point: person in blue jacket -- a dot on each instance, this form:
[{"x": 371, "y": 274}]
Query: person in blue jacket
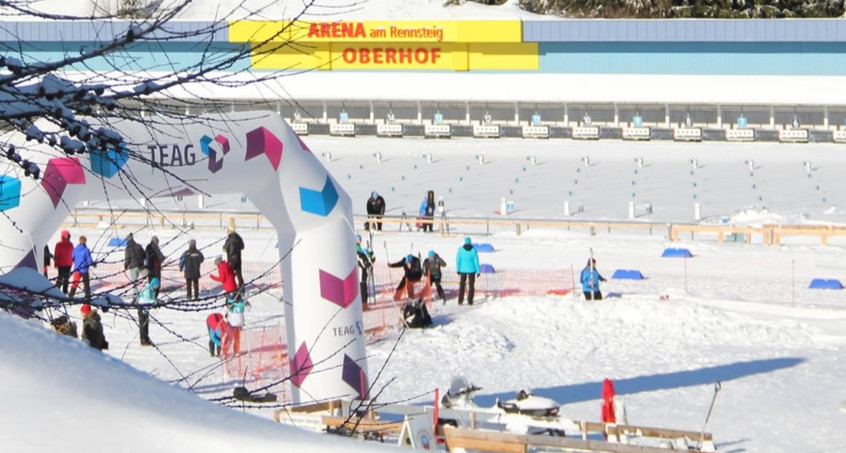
[
  {"x": 590, "y": 279},
  {"x": 467, "y": 265},
  {"x": 146, "y": 298},
  {"x": 82, "y": 261}
]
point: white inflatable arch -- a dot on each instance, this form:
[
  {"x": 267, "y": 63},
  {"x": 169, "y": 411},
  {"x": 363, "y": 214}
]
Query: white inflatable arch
[{"x": 254, "y": 153}]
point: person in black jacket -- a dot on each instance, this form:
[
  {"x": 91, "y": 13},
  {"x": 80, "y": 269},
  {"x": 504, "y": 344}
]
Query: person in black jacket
[
  {"x": 190, "y": 265},
  {"x": 233, "y": 246},
  {"x": 155, "y": 259},
  {"x": 92, "y": 328},
  {"x": 365, "y": 259},
  {"x": 413, "y": 272},
  {"x": 133, "y": 261},
  {"x": 375, "y": 211},
  {"x": 48, "y": 257}
]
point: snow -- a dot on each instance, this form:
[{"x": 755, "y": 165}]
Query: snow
[{"x": 740, "y": 314}]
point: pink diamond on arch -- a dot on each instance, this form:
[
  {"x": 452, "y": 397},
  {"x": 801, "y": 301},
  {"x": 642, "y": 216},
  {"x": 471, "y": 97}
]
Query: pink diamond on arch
[
  {"x": 60, "y": 172},
  {"x": 301, "y": 365},
  {"x": 262, "y": 141}
]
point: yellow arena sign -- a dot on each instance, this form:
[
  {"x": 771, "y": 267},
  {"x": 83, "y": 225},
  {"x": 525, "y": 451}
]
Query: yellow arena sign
[{"x": 387, "y": 45}]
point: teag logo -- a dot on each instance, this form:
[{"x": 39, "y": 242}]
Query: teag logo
[{"x": 208, "y": 145}]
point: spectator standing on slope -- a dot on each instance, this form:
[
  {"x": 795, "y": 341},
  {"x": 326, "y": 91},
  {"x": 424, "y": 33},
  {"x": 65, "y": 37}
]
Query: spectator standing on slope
[
  {"x": 133, "y": 261},
  {"x": 154, "y": 260},
  {"x": 63, "y": 259},
  {"x": 226, "y": 277},
  {"x": 48, "y": 257},
  {"x": 590, "y": 279},
  {"x": 375, "y": 211},
  {"x": 190, "y": 263},
  {"x": 467, "y": 265},
  {"x": 82, "y": 262}
]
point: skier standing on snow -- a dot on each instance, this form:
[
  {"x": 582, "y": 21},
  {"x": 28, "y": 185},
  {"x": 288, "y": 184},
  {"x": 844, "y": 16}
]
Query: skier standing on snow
[
  {"x": 467, "y": 265},
  {"x": 365, "y": 265},
  {"x": 413, "y": 272},
  {"x": 432, "y": 268},
  {"x": 590, "y": 279},
  {"x": 375, "y": 211},
  {"x": 63, "y": 259}
]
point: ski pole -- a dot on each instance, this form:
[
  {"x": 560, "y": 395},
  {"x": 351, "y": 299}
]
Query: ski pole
[{"x": 717, "y": 387}]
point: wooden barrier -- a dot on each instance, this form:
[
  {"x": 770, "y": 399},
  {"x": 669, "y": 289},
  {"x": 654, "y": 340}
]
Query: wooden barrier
[
  {"x": 793, "y": 135},
  {"x": 389, "y": 130},
  {"x": 586, "y": 132},
  {"x": 740, "y": 135},
  {"x": 770, "y": 234},
  {"x": 636, "y": 133},
  {"x": 300, "y": 128},
  {"x": 437, "y": 131},
  {"x": 535, "y": 131},
  {"x": 486, "y": 130},
  {"x": 687, "y": 134},
  {"x": 460, "y": 438},
  {"x": 342, "y": 129}
]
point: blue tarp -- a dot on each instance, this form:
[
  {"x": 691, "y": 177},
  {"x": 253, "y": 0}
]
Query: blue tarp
[
  {"x": 676, "y": 253},
  {"x": 117, "y": 242},
  {"x": 484, "y": 248},
  {"x": 627, "y": 274},
  {"x": 487, "y": 269},
  {"x": 820, "y": 283}
]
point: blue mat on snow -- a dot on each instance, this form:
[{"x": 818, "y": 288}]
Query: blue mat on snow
[
  {"x": 484, "y": 248},
  {"x": 676, "y": 253},
  {"x": 820, "y": 283},
  {"x": 627, "y": 274},
  {"x": 487, "y": 269},
  {"x": 117, "y": 242}
]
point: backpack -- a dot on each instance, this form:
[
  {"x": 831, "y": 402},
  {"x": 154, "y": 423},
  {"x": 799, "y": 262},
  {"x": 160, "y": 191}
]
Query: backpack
[{"x": 416, "y": 315}]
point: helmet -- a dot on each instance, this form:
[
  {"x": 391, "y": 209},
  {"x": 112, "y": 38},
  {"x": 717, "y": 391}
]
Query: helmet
[
  {"x": 409, "y": 257},
  {"x": 431, "y": 253}
]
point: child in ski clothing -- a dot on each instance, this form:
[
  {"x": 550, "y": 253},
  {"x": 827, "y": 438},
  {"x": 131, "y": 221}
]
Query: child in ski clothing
[
  {"x": 234, "y": 324},
  {"x": 432, "y": 268},
  {"x": 92, "y": 328},
  {"x": 233, "y": 246},
  {"x": 190, "y": 263},
  {"x": 82, "y": 261},
  {"x": 467, "y": 265},
  {"x": 413, "y": 272},
  {"x": 146, "y": 298},
  {"x": 63, "y": 259},
  {"x": 590, "y": 279},
  {"x": 155, "y": 259},
  {"x": 226, "y": 277},
  {"x": 216, "y": 327},
  {"x": 375, "y": 211},
  {"x": 365, "y": 264}
]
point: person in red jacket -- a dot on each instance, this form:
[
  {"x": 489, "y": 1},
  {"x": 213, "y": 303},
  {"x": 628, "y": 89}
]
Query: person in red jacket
[
  {"x": 226, "y": 276},
  {"x": 63, "y": 259}
]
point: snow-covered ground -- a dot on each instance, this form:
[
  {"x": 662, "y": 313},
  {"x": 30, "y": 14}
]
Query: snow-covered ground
[
  {"x": 740, "y": 314},
  {"x": 736, "y": 313}
]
